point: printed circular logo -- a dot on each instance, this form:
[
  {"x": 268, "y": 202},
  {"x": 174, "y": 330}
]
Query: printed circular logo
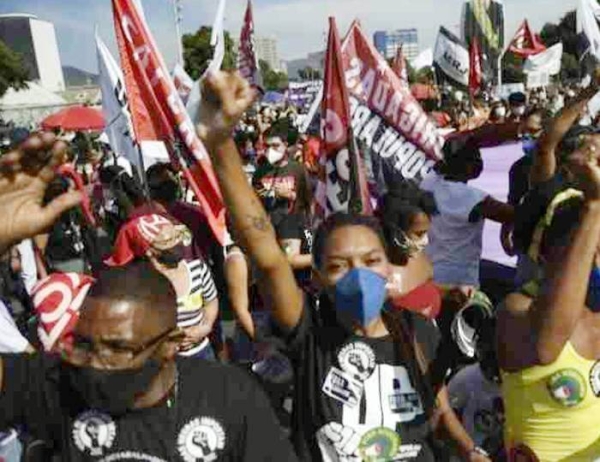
[
  {"x": 567, "y": 387},
  {"x": 357, "y": 359},
  {"x": 522, "y": 453},
  {"x": 201, "y": 440},
  {"x": 595, "y": 379},
  {"x": 93, "y": 432},
  {"x": 379, "y": 445}
]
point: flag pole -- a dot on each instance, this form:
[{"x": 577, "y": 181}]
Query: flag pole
[{"x": 177, "y": 8}]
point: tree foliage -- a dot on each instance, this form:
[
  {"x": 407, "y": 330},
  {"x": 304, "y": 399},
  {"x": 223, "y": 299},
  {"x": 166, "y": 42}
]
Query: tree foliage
[
  {"x": 197, "y": 52},
  {"x": 308, "y": 73},
  {"x": 566, "y": 32},
  {"x": 272, "y": 80},
  {"x": 12, "y": 72}
]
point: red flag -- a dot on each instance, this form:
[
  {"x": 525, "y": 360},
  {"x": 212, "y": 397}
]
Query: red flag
[
  {"x": 475, "y": 68},
  {"x": 525, "y": 43},
  {"x": 247, "y": 63},
  {"x": 158, "y": 112},
  {"x": 346, "y": 188},
  {"x": 400, "y": 67}
]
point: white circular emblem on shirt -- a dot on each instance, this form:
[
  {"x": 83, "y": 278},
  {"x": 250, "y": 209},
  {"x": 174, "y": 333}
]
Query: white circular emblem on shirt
[
  {"x": 357, "y": 359},
  {"x": 93, "y": 432},
  {"x": 595, "y": 379},
  {"x": 201, "y": 440}
]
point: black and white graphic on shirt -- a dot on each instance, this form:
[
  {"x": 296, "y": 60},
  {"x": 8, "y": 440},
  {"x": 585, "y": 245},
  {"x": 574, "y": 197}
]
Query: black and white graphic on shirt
[
  {"x": 201, "y": 440},
  {"x": 358, "y": 359},
  {"x": 595, "y": 379},
  {"x": 342, "y": 387},
  {"x": 388, "y": 399},
  {"x": 93, "y": 432}
]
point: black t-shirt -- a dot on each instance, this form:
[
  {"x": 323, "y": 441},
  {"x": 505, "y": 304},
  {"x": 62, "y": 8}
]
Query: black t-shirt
[
  {"x": 292, "y": 176},
  {"x": 219, "y": 414},
  {"x": 518, "y": 178},
  {"x": 354, "y": 399},
  {"x": 296, "y": 226}
]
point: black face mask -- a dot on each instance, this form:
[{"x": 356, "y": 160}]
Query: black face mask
[
  {"x": 111, "y": 391},
  {"x": 171, "y": 257}
]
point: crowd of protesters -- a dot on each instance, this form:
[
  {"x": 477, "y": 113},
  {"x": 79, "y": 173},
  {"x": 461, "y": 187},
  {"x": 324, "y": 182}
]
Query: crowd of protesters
[{"x": 355, "y": 338}]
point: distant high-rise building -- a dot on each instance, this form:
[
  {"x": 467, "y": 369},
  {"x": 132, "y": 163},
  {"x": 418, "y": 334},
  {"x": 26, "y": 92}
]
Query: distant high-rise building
[
  {"x": 35, "y": 41},
  {"x": 388, "y": 42},
  {"x": 266, "y": 50}
]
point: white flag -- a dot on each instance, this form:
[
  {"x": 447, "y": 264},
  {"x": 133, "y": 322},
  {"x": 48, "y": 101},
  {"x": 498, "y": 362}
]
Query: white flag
[
  {"x": 452, "y": 57},
  {"x": 588, "y": 14},
  {"x": 217, "y": 41},
  {"x": 119, "y": 126},
  {"x": 546, "y": 62}
]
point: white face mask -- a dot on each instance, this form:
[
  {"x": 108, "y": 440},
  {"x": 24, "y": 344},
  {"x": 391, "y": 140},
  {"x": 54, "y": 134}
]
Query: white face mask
[
  {"x": 500, "y": 112},
  {"x": 421, "y": 243},
  {"x": 274, "y": 155},
  {"x": 519, "y": 111}
]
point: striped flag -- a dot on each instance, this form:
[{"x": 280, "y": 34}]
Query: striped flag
[{"x": 247, "y": 62}]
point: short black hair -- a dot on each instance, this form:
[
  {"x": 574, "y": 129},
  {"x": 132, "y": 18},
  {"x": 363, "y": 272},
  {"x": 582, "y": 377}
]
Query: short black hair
[
  {"x": 341, "y": 220},
  {"x": 402, "y": 202},
  {"x": 459, "y": 152},
  {"x": 158, "y": 177},
  {"x": 138, "y": 282}
]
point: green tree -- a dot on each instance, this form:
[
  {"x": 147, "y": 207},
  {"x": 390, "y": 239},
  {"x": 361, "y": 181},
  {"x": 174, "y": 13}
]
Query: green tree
[
  {"x": 308, "y": 73},
  {"x": 197, "y": 52},
  {"x": 566, "y": 32},
  {"x": 272, "y": 80},
  {"x": 12, "y": 72}
]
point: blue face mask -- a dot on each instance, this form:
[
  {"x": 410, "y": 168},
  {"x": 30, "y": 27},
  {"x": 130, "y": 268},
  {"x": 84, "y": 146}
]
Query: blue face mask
[
  {"x": 530, "y": 145},
  {"x": 359, "y": 297},
  {"x": 593, "y": 295}
]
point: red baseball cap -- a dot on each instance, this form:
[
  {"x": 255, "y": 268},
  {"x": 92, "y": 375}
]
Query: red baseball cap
[{"x": 136, "y": 237}]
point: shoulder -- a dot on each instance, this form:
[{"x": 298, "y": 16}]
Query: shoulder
[{"x": 215, "y": 376}]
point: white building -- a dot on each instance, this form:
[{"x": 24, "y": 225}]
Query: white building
[
  {"x": 35, "y": 41},
  {"x": 266, "y": 50}
]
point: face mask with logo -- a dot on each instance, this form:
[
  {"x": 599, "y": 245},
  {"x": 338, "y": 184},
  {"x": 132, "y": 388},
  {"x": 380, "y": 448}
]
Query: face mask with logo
[
  {"x": 410, "y": 246},
  {"x": 274, "y": 155},
  {"x": 112, "y": 391},
  {"x": 359, "y": 297}
]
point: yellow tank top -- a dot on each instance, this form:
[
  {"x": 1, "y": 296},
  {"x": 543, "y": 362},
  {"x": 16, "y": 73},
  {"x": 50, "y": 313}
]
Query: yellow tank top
[{"x": 553, "y": 412}]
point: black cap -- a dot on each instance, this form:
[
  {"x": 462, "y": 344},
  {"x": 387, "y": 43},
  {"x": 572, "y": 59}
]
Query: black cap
[{"x": 517, "y": 98}]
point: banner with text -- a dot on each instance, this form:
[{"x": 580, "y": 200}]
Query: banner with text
[{"x": 386, "y": 118}]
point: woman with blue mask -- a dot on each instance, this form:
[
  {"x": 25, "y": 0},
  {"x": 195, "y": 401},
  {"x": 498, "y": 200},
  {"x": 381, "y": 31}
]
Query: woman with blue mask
[{"x": 367, "y": 387}]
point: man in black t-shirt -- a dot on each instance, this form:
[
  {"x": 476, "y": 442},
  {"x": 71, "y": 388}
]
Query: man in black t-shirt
[
  {"x": 119, "y": 393},
  {"x": 280, "y": 182}
]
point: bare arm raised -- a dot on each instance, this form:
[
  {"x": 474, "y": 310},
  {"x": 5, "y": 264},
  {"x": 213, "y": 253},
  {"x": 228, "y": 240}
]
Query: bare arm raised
[{"x": 226, "y": 97}]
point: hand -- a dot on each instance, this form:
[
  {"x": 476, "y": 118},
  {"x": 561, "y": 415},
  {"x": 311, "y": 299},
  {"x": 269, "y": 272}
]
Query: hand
[
  {"x": 225, "y": 98},
  {"x": 24, "y": 176},
  {"x": 585, "y": 165},
  {"x": 195, "y": 334},
  {"x": 476, "y": 457}
]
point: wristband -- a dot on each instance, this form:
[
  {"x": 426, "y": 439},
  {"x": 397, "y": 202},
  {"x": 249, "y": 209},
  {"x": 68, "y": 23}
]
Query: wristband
[{"x": 480, "y": 451}]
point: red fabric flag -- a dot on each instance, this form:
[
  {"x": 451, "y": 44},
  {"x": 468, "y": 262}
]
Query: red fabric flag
[
  {"x": 158, "y": 112},
  {"x": 525, "y": 43},
  {"x": 399, "y": 66},
  {"x": 475, "y": 68},
  {"x": 346, "y": 188},
  {"x": 247, "y": 63}
]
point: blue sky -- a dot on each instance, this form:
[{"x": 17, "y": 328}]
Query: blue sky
[{"x": 299, "y": 25}]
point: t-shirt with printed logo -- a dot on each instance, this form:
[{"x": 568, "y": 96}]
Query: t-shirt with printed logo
[
  {"x": 217, "y": 414},
  {"x": 354, "y": 398}
]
